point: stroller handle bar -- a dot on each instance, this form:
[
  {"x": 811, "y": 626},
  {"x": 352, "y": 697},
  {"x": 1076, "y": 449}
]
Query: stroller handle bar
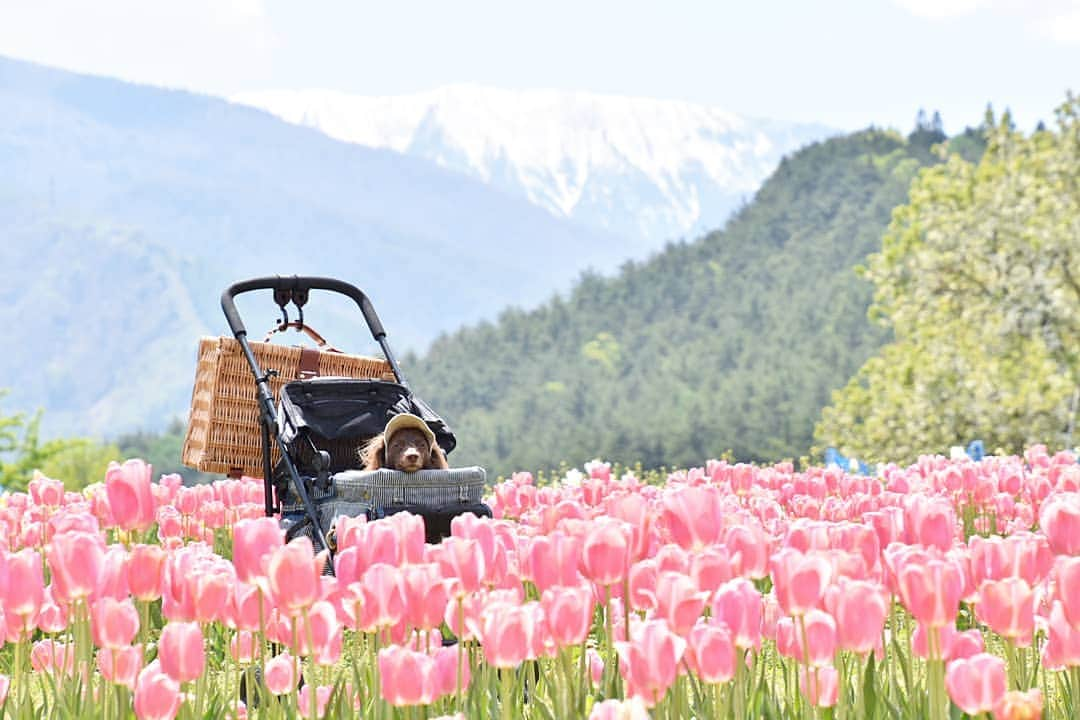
[{"x": 302, "y": 284}]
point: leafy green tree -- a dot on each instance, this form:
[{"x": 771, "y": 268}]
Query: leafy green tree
[
  {"x": 979, "y": 279},
  {"x": 22, "y": 452},
  {"x": 82, "y": 463}
]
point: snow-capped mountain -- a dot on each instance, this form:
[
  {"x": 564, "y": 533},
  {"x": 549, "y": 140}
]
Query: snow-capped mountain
[{"x": 650, "y": 170}]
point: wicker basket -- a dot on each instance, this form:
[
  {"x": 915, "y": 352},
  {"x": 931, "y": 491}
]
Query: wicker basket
[{"x": 224, "y": 434}]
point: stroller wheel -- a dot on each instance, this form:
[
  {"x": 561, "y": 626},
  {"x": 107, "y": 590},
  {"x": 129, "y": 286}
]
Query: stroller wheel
[{"x": 250, "y": 696}]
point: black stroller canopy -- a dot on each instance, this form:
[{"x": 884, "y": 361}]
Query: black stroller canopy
[
  {"x": 347, "y": 409},
  {"x": 339, "y": 408}
]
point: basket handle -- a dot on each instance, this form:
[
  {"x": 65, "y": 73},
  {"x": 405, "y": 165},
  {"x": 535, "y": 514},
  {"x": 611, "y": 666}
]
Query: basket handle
[{"x": 307, "y": 330}]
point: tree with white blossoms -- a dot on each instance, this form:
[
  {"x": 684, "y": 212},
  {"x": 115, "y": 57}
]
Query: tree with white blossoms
[{"x": 979, "y": 279}]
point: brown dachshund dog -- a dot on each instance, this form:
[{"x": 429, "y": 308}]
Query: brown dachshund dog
[{"x": 407, "y": 444}]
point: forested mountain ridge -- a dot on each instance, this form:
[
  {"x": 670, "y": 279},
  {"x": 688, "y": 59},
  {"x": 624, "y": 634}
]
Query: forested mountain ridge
[{"x": 734, "y": 341}]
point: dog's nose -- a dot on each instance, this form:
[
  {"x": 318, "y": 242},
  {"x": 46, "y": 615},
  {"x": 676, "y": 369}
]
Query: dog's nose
[{"x": 412, "y": 454}]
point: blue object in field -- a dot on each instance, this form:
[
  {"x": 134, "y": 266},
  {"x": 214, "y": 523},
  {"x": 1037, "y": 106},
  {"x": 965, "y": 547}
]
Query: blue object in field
[
  {"x": 975, "y": 450},
  {"x": 833, "y": 457}
]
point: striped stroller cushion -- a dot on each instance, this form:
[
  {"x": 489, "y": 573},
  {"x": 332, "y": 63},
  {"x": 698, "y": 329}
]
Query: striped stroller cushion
[
  {"x": 370, "y": 492},
  {"x": 429, "y": 488}
]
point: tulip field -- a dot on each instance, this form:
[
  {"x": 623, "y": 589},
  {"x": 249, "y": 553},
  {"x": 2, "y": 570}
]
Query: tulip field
[{"x": 941, "y": 590}]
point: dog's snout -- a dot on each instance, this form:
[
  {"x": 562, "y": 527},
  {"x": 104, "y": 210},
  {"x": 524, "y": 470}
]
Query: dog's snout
[{"x": 411, "y": 454}]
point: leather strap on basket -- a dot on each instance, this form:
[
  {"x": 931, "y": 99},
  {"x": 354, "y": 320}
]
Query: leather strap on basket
[
  {"x": 307, "y": 330},
  {"x": 309, "y": 363}
]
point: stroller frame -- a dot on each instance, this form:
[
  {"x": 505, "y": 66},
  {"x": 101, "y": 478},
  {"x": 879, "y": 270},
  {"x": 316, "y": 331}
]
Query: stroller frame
[{"x": 293, "y": 289}]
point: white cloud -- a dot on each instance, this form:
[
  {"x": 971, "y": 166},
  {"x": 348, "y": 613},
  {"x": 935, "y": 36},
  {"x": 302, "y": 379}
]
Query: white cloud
[
  {"x": 1064, "y": 27},
  {"x": 940, "y": 8},
  {"x": 180, "y": 44},
  {"x": 1056, "y": 20}
]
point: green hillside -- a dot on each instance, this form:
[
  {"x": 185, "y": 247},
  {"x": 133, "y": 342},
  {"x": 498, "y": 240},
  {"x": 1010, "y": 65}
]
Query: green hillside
[{"x": 732, "y": 342}]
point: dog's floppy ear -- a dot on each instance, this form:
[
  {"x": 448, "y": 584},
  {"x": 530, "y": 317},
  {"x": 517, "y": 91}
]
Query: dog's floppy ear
[
  {"x": 438, "y": 458},
  {"x": 374, "y": 453}
]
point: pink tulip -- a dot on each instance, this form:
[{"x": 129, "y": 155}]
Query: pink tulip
[
  {"x": 605, "y": 556},
  {"x": 251, "y": 606},
  {"x": 75, "y": 562},
  {"x": 509, "y": 635},
  {"x": 211, "y": 591},
  {"x": 322, "y": 699},
  {"x": 25, "y": 585},
  {"x": 114, "y": 623},
  {"x": 819, "y": 644},
  {"x": 324, "y": 631},
  {"x": 145, "y": 569},
  {"x": 710, "y": 652},
  {"x": 425, "y": 595},
  {"x": 799, "y": 580},
  {"x": 112, "y": 577},
  {"x": 383, "y": 591},
  {"x": 157, "y": 696},
  {"x": 643, "y": 577},
  {"x": 965, "y": 644},
  {"x": 711, "y": 568},
  {"x": 596, "y": 667},
  {"x": 46, "y": 491},
  {"x": 131, "y": 500},
  {"x": 281, "y": 674},
  {"x": 52, "y": 617},
  {"x": 294, "y": 574},
  {"x": 637, "y": 511},
  {"x": 181, "y": 651},
  {"x": 482, "y": 531},
  {"x": 860, "y": 609},
  {"x": 120, "y": 665},
  {"x": 242, "y": 647},
  {"x": 930, "y": 521},
  {"x": 187, "y": 500},
  {"x": 1062, "y": 649},
  {"x": 614, "y": 709},
  {"x": 254, "y": 542},
  {"x": 649, "y": 662},
  {"x": 569, "y": 613},
  {"x": 552, "y": 560},
  {"x": 1016, "y": 705},
  {"x": 1021, "y": 555},
  {"x": 461, "y": 560},
  {"x": 1007, "y": 607},
  {"x": 739, "y": 605},
  {"x": 977, "y": 683},
  {"x": 406, "y": 677},
  {"x": 931, "y": 590},
  {"x": 748, "y": 548},
  {"x": 446, "y": 670},
  {"x": 820, "y": 685},
  {"x": 693, "y": 516},
  {"x": 1059, "y": 518},
  {"x": 1068, "y": 588},
  {"x": 679, "y": 602}
]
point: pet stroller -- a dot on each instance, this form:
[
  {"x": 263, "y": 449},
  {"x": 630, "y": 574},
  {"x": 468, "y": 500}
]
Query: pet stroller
[{"x": 319, "y": 425}]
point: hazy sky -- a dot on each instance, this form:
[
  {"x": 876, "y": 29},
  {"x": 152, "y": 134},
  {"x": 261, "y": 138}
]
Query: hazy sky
[{"x": 848, "y": 63}]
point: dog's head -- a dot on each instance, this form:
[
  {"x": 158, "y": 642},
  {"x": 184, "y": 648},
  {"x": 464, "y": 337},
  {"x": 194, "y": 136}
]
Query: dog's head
[
  {"x": 408, "y": 450},
  {"x": 407, "y": 444}
]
